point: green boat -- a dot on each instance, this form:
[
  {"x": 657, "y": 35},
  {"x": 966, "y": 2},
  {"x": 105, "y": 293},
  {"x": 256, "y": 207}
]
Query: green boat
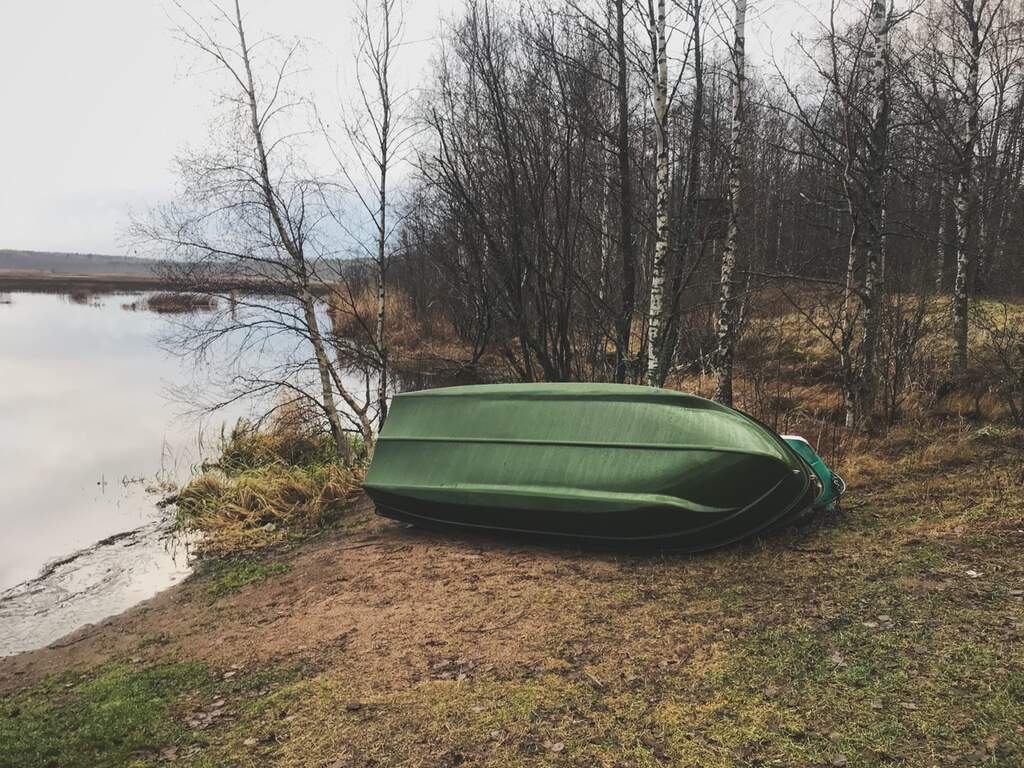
[{"x": 595, "y": 461}]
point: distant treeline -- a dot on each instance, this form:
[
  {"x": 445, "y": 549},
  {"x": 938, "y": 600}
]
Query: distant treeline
[{"x": 75, "y": 263}]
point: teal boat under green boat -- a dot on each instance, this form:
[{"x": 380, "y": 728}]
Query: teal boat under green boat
[{"x": 593, "y": 461}]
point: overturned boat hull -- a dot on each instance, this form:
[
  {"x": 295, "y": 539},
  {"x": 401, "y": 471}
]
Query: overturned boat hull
[{"x": 607, "y": 462}]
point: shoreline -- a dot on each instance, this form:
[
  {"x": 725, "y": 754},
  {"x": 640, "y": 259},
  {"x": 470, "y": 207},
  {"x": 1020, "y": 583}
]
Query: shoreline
[
  {"x": 27, "y": 281},
  {"x": 90, "y": 585}
]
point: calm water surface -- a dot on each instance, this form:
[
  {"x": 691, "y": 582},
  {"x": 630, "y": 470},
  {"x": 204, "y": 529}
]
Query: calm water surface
[{"x": 86, "y": 425}]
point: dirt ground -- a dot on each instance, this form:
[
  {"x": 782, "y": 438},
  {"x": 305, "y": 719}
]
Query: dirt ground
[{"x": 887, "y": 633}]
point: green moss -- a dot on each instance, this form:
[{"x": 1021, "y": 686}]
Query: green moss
[
  {"x": 228, "y": 575},
  {"x": 114, "y": 718}
]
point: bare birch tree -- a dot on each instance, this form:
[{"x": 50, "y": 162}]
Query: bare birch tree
[
  {"x": 250, "y": 212},
  {"x": 874, "y": 200},
  {"x": 376, "y": 136},
  {"x": 727, "y": 315},
  {"x": 971, "y": 13},
  {"x": 688, "y": 257},
  {"x": 659, "y": 86},
  {"x": 627, "y": 248}
]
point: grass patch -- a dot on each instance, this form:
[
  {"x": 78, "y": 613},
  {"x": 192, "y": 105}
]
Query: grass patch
[
  {"x": 114, "y": 718},
  {"x": 181, "y": 713},
  {"x": 226, "y": 576}
]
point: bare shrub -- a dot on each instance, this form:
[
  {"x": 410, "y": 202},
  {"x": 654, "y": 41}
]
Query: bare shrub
[{"x": 1002, "y": 347}]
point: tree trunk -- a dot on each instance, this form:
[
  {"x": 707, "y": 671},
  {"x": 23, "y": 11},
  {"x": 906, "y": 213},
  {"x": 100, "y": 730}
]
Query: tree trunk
[
  {"x": 940, "y": 239},
  {"x": 847, "y": 365},
  {"x": 878, "y": 26},
  {"x": 673, "y": 321},
  {"x": 727, "y": 300},
  {"x": 655, "y": 336},
  {"x": 626, "y": 245},
  {"x": 383, "y": 84},
  {"x": 962, "y": 200}
]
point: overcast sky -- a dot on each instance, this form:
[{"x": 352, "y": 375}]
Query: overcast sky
[{"x": 97, "y": 98}]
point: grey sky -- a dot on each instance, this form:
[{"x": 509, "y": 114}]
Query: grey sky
[{"x": 97, "y": 98}]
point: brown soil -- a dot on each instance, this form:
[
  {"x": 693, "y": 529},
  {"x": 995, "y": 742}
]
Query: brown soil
[{"x": 394, "y": 598}]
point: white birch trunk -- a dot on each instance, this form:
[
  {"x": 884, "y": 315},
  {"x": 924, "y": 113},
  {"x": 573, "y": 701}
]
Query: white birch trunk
[
  {"x": 655, "y": 335},
  {"x": 878, "y": 30},
  {"x": 382, "y": 73},
  {"x": 727, "y": 300},
  {"x": 940, "y": 240},
  {"x": 965, "y": 189}
]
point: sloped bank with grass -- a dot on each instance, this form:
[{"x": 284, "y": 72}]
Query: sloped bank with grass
[
  {"x": 885, "y": 634},
  {"x": 267, "y": 486}
]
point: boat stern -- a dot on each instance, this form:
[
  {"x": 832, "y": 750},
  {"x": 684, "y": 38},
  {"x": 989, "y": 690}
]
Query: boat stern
[{"x": 832, "y": 486}]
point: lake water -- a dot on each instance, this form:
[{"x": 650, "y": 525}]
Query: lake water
[{"x": 87, "y": 425}]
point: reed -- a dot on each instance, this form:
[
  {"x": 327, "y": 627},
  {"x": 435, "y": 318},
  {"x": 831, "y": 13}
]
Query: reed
[{"x": 178, "y": 303}]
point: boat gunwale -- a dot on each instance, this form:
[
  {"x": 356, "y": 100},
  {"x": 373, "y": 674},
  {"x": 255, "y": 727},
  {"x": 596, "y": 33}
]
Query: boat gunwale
[
  {"x": 578, "y": 443},
  {"x": 569, "y": 391}
]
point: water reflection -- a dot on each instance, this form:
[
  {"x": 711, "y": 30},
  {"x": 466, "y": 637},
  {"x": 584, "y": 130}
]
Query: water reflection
[
  {"x": 85, "y": 427},
  {"x": 84, "y": 417}
]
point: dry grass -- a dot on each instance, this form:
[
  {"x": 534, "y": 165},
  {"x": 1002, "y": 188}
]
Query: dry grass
[
  {"x": 408, "y": 335},
  {"x": 266, "y": 486}
]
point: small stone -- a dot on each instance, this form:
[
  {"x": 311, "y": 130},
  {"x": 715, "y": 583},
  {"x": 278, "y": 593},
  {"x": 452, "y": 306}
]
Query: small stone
[
  {"x": 871, "y": 624},
  {"x": 556, "y": 746},
  {"x": 839, "y": 761},
  {"x": 250, "y": 742},
  {"x": 908, "y": 705},
  {"x": 229, "y": 675},
  {"x": 972, "y": 574},
  {"x": 885, "y": 619}
]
